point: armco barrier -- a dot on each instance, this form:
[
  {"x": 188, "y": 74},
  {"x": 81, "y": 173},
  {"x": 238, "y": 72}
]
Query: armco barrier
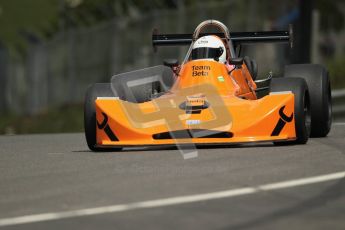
[{"x": 338, "y": 101}]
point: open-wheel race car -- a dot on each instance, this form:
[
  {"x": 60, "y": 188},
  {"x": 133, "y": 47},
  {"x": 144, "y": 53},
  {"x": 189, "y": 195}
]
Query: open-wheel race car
[{"x": 211, "y": 98}]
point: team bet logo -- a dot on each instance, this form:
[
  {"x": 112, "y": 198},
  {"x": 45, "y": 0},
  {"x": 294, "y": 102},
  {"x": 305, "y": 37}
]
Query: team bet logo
[{"x": 198, "y": 71}]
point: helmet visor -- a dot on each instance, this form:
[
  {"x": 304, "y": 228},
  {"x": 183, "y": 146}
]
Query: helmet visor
[{"x": 207, "y": 53}]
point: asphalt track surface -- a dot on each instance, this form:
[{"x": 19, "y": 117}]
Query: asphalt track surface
[{"x": 56, "y": 174}]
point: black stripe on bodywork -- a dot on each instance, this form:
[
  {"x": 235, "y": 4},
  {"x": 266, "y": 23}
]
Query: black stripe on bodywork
[
  {"x": 105, "y": 126},
  {"x": 281, "y": 122},
  {"x": 192, "y": 133}
]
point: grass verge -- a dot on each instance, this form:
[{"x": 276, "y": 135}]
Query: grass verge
[{"x": 68, "y": 118}]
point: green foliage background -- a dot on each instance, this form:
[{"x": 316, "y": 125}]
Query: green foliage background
[{"x": 23, "y": 21}]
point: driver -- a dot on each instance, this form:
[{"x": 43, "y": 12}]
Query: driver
[{"x": 209, "y": 47}]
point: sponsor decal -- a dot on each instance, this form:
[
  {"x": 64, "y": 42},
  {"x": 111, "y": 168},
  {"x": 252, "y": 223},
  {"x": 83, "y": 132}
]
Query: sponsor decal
[
  {"x": 221, "y": 79},
  {"x": 196, "y": 100},
  {"x": 202, "y": 41},
  {"x": 193, "y": 122},
  {"x": 200, "y": 71},
  {"x": 194, "y": 104}
]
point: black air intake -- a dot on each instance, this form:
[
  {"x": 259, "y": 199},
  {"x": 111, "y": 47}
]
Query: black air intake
[{"x": 192, "y": 133}]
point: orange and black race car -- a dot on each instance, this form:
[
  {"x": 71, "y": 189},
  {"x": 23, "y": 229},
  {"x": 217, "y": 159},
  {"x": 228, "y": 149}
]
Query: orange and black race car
[{"x": 212, "y": 97}]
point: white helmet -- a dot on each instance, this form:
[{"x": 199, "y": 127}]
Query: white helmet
[{"x": 209, "y": 47}]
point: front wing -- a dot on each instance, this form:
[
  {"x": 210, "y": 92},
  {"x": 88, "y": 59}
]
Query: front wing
[{"x": 165, "y": 121}]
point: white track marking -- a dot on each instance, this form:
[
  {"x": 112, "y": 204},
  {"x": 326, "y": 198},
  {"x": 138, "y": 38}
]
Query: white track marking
[{"x": 170, "y": 201}]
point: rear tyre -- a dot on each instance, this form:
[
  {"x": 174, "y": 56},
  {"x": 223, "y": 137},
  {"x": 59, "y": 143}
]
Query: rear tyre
[
  {"x": 299, "y": 88},
  {"x": 319, "y": 86},
  {"x": 94, "y": 91}
]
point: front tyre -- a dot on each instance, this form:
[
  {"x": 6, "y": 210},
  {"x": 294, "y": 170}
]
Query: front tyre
[
  {"x": 94, "y": 91},
  {"x": 299, "y": 88}
]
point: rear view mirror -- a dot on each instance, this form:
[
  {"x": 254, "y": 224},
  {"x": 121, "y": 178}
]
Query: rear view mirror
[
  {"x": 236, "y": 61},
  {"x": 171, "y": 62}
]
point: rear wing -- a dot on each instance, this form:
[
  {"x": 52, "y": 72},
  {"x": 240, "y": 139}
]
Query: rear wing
[{"x": 237, "y": 38}]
